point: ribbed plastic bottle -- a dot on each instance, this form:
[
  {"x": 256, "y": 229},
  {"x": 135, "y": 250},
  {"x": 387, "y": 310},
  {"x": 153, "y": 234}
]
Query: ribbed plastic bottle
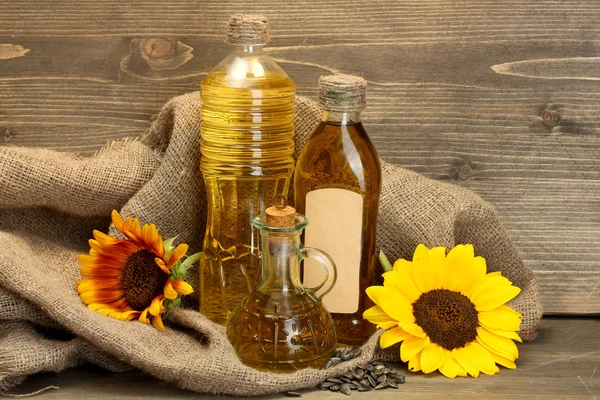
[{"x": 247, "y": 143}]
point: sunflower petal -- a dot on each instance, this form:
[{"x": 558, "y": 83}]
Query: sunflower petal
[
  {"x": 507, "y": 334},
  {"x": 161, "y": 264},
  {"x": 98, "y": 284},
  {"x": 411, "y": 346},
  {"x": 405, "y": 284},
  {"x": 182, "y": 287},
  {"x": 458, "y": 268},
  {"x": 104, "y": 239},
  {"x": 387, "y": 325},
  {"x": 502, "y": 344},
  {"x": 177, "y": 254},
  {"x": 437, "y": 261},
  {"x": 392, "y": 337},
  {"x": 492, "y": 292},
  {"x": 376, "y": 315},
  {"x": 404, "y": 287},
  {"x": 397, "y": 308},
  {"x": 450, "y": 367},
  {"x": 100, "y": 296},
  {"x": 413, "y": 329},
  {"x": 495, "y": 298},
  {"x": 158, "y": 323},
  {"x": 503, "y": 317},
  {"x": 414, "y": 364},
  {"x": 156, "y": 307},
  {"x": 466, "y": 359},
  {"x": 97, "y": 261},
  {"x": 484, "y": 359},
  {"x": 99, "y": 272},
  {"x": 493, "y": 351},
  {"x": 144, "y": 316},
  {"x": 421, "y": 269},
  {"x": 117, "y": 220},
  {"x": 503, "y": 361},
  {"x": 432, "y": 358},
  {"x": 168, "y": 290}
]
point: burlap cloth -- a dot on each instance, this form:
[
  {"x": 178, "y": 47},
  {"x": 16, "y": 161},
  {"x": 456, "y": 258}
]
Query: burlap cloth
[{"x": 50, "y": 202}]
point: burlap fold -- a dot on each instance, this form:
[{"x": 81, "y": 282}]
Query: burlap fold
[{"x": 50, "y": 202}]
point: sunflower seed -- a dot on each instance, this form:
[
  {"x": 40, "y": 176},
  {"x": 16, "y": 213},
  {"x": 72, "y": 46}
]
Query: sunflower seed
[
  {"x": 345, "y": 388},
  {"x": 371, "y": 381},
  {"x": 330, "y": 364},
  {"x": 382, "y": 385},
  {"x": 392, "y": 384},
  {"x": 400, "y": 379},
  {"x": 347, "y": 357},
  {"x": 346, "y": 380},
  {"x": 335, "y": 388},
  {"x": 379, "y": 367},
  {"x": 334, "y": 380},
  {"x": 326, "y": 385},
  {"x": 293, "y": 394},
  {"x": 365, "y": 382},
  {"x": 382, "y": 378},
  {"x": 359, "y": 374},
  {"x": 363, "y": 388}
]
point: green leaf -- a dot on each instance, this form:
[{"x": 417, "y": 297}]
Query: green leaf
[
  {"x": 191, "y": 260},
  {"x": 169, "y": 242},
  {"x": 385, "y": 263},
  {"x": 169, "y": 247}
]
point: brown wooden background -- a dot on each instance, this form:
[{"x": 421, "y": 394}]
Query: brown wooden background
[{"x": 502, "y": 97}]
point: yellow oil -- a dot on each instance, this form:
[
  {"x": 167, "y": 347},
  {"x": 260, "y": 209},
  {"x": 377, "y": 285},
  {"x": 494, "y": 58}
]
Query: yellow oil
[
  {"x": 278, "y": 332},
  {"x": 247, "y": 143}
]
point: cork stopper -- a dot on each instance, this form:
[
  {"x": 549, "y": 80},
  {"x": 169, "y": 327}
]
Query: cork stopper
[
  {"x": 280, "y": 215},
  {"x": 342, "y": 93},
  {"x": 248, "y": 29}
]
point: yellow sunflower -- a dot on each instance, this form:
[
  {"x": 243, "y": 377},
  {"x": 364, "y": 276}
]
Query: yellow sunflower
[
  {"x": 133, "y": 278},
  {"x": 447, "y": 312}
]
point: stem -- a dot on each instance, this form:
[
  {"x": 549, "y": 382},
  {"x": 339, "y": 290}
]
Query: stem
[{"x": 385, "y": 263}]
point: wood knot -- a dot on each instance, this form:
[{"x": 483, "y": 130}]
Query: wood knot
[
  {"x": 7, "y": 135},
  {"x": 155, "y": 48},
  {"x": 550, "y": 118},
  {"x": 465, "y": 172},
  {"x": 153, "y": 58}
]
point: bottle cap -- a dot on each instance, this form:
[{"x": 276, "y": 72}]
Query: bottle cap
[
  {"x": 248, "y": 29},
  {"x": 280, "y": 215},
  {"x": 342, "y": 93}
]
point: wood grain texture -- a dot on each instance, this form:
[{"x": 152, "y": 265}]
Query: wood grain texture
[
  {"x": 563, "y": 362},
  {"x": 501, "y": 98}
]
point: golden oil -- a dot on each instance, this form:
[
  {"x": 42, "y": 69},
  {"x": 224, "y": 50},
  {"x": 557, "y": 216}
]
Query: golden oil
[{"x": 247, "y": 143}]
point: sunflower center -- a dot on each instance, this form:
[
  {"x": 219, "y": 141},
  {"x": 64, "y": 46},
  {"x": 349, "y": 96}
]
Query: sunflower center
[
  {"x": 142, "y": 280},
  {"x": 449, "y": 318}
]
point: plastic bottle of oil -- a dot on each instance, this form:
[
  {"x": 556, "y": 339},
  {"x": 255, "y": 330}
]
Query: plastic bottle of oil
[
  {"x": 337, "y": 185},
  {"x": 247, "y": 143}
]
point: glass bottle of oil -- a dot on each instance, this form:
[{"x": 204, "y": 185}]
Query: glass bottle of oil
[
  {"x": 282, "y": 326},
  {"x": 247, "y": 143},
  {"x": 337, "y": 185}
]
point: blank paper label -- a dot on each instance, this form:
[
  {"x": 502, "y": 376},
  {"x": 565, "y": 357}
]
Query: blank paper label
[{"x": 335, "y": 226}]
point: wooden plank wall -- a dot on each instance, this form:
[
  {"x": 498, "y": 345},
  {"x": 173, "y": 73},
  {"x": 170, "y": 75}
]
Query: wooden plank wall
[{"x": 500, "y": 97}]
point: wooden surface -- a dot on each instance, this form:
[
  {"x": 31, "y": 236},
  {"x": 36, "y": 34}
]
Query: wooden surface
[
  {"x": 563, "y": 362},
  {"x": 500, "y": 97}
]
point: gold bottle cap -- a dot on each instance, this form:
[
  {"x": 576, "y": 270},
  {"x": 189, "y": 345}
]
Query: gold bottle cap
[{"x": 280, "y": 215}]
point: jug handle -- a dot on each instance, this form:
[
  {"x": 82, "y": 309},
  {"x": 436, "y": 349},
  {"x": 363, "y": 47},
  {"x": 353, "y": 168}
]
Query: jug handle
[{"x": 328, "y": 265}]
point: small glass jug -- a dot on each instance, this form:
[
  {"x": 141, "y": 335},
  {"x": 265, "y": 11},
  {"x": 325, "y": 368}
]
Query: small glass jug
[{"x": 283, "y": 326}]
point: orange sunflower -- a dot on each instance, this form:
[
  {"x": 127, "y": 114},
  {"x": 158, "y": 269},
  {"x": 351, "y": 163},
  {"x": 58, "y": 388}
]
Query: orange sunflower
[{"x": 133, "y": 278}]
